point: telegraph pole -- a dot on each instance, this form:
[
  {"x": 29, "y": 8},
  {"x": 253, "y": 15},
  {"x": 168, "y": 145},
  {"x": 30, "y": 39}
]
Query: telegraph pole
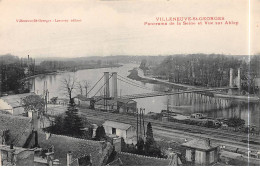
[
  {"x": 143, "y": 121},
  {"x": 137, "y": 124}
]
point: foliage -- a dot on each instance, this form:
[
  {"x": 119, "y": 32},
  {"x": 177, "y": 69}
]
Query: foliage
[
  {"x": 100, "y": 133},
  {"x": 70, "y": 125},
  {"x": 140, "y": 146},
  {"x": 148, "y": 147},
  {"x": 208, "y": 70},
  {"x": 33, "y": 103},
  {"x": 235, "y": 122},
  {"x": 54, "y": 100},
  {"x": 68, "y": 85}
]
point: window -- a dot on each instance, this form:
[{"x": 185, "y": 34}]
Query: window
[{"x": 113, "y": 130}]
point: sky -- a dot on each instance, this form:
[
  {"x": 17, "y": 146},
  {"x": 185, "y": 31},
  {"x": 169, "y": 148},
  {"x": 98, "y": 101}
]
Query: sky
[{"x": 116, "y": 27}]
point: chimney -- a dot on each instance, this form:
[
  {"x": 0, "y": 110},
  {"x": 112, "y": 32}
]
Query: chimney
[
  {"x": 106, "y": 82},
  {"x": 208, "y": 142},
  {"x": 50, "y": 158},
  {"x": 35, "y": 122},
  {"x": 69, "y": 158},
  {"x": 114, "y": 84}
]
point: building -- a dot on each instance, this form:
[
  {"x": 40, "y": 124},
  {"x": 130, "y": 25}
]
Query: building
[
  {"x": 16, "y": 156},
  {"x": 13, "y": 103},
  {"x": 201, "y": 152},
  {"x": 116, "y": 104},
  {"x": 50, "y": 149},
  {"x": 125, "y": 131},
  {"x": 82, "y": 101}
]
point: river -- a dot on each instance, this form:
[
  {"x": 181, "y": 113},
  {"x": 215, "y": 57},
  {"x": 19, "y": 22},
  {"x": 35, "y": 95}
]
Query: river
[{"x": 184, "y": 103}]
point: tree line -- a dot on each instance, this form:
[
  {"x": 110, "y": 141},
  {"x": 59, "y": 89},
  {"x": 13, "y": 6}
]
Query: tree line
[{"x": 208, "y": 70}]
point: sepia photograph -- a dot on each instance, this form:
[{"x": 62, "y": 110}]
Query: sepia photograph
[{"x": 129, "y": 83}]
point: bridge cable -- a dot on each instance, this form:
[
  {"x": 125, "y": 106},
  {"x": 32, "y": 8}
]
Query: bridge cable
[
  {"x": 102, "y": 86},
  {"x": 134, "y": 82},
  {"x": 134, "y": 85},
  {"x": 95, "y": 85}
]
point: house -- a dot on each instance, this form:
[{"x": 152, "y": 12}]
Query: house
[
  {"x": 72, "y": 151},
  {"x": 13, "y": 103},
  {"x": 116, "y": 104},
  {"x": 125, "y": 131},
  {"x": 16, "y": 156},
  {"x": 82, "y": 100},
  {"x": 51, "y": 149},
  {"x": 201, "y": 152}
]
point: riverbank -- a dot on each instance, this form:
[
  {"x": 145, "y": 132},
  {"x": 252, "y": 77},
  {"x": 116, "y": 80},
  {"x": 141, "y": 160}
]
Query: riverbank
[
  {"x": 137, "y": 74},
  {"x": 63, "y": 71}
]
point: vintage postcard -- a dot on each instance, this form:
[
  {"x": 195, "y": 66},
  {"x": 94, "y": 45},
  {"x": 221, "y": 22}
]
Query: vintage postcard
[{"x": 129, "y": 83}]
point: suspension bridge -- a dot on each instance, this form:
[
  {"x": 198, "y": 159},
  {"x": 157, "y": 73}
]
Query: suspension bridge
[{"x": 117, "y": 77}]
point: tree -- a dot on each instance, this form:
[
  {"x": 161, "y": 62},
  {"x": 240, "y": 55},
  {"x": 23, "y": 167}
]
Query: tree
[
  {"x": 140, "y": 146},
  {"x": 235, "y": 122},
  {"x": 149, "y": 136},
  {"x": 83, "y": 85},
  {"x": 34, "y": 103},
  {"x": 57, "y": 126},
  {"x": 72, "y": 122},
  {"x": 100, "y": 133},
  {"x": 68, "y": 85}
]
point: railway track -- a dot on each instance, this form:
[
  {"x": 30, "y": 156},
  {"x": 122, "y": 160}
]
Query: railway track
[{"x": 218, "y": 136}]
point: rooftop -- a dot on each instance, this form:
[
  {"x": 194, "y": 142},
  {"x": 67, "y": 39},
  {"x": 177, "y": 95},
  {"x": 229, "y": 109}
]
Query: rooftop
[
  {"x": 202, "y": 144},
  {"x": 117, "y": 125},
  {"x": 98, "y": 150},
  {"x": 15, "y": 100},
  {"x": 16, "y": 150},
  {"x": 17, "y": 126},
  {"x": 128, "y": 159}
]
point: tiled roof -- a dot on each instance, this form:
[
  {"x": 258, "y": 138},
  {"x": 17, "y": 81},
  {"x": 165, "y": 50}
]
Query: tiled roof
[
  {"x": 199, "y": 144},
  {"x": 15, "y": 100},
  {"x": 79, "y": 147},
  {"x": 117, "y": 125},
  {"x": 17, "y": 126},
  {"x": 128, "y": 159}
]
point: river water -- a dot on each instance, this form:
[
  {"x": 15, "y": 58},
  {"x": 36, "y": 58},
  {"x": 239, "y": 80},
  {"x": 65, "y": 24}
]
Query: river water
[{"x": 184, "y": 103}]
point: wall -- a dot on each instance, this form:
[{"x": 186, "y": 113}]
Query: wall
[
  {"x": 119, "y": 132},
  {"x": 25, "y": 158},
  {"x": 6, "y": 106},
  {"x": 200, "y": 157}
]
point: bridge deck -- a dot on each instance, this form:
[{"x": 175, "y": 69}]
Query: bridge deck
[{"x": 154, "y": 94}]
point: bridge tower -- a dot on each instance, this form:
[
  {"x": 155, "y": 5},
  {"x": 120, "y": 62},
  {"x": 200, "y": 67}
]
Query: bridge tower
[
  {"x": 106, "y": 83},
  {"x": 114, "y": 85},
  {"x": 230, "y": 80},
  {"x": 1, "y": 82},
  {"x": 239, "y": 80},
  {"x": 106, "y": 89}
]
